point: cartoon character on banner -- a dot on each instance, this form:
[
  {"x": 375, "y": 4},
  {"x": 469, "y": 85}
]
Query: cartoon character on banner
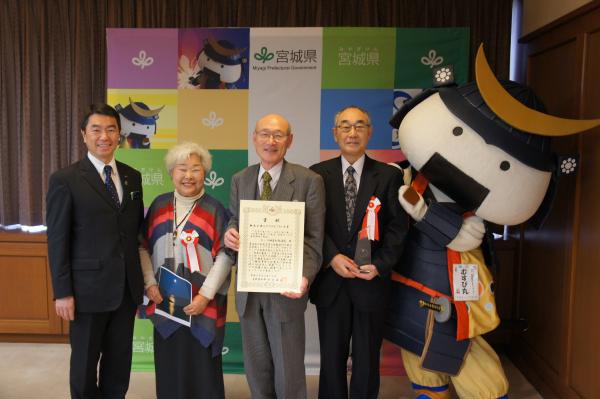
[
  {"x": 138, "y": 124},
  {"x": 481, "y": 153},
  {"x": 219, "y": 65}
]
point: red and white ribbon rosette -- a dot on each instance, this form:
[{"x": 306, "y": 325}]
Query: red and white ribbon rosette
[
  {"x": 189, "y": 239},
  {"x": 371, "y": 220}
]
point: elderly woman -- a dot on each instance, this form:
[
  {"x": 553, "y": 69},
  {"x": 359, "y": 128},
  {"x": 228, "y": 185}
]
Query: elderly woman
[{"x": 183, "y": 238}]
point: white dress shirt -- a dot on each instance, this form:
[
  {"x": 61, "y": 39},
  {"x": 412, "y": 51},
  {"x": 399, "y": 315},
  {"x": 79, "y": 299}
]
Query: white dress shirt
[
  {"x": 275, "y": 173},
  {"x": 358, "y": 167},
  {"x": 99, "y": 165}
]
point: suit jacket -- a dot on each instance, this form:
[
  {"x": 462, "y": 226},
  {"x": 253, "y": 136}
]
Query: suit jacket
[
  {"x": 296, "y": 183},
  {"x": 92, "y": 244},
  {"x": 379, "y": 180}
]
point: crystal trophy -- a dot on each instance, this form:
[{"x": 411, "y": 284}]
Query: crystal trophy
[{"x": 362, "y": 256}]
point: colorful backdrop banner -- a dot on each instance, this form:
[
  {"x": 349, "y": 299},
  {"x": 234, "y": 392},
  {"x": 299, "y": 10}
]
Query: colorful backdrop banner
[{"x": 210, "y": 85}]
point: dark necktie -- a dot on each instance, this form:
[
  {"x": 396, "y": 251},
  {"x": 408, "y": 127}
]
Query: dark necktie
[
  {"x": 266, "y": 189},
  {"x": 350, "y": 195},
  {"x": 110, "y": 185}
]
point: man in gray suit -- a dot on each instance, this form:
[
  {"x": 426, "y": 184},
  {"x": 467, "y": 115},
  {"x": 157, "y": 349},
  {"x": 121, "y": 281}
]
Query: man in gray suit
[{"x": 273, "y": 324}]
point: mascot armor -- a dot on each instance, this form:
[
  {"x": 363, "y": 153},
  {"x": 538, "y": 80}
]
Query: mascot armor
[{"x": 481, "y": 153}]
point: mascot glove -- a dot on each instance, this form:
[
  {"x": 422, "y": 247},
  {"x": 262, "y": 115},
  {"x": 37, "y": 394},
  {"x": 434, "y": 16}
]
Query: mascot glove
[
  {"x": 469, "y": 236},
  {"x": 416, "y": 211}
]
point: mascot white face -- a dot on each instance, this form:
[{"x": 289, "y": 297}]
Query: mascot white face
[
  {"x": 509, "y": 191},
  {"x": 128, "y": 127},
  {"x": 228, "y": 73}
]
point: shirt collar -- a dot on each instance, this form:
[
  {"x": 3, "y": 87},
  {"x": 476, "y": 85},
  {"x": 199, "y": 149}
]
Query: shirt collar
[
  {"x": 99, "y": 165},
  {"x": 358, "y": 165},
  {"x": 275, "y": 173}
]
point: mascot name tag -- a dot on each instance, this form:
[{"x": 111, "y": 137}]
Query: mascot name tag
[{"x": 466, "y": 282}]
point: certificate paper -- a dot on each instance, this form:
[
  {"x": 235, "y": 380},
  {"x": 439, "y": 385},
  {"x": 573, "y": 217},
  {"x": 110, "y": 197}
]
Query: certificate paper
[{"x": 271, "y": 246}]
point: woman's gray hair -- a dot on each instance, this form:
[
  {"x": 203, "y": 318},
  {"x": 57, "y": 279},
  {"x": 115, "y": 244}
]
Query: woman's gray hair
[{"x": 181, "y": 152}]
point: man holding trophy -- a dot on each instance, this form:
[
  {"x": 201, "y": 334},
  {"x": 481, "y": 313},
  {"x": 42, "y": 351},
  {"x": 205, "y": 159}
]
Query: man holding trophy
[{"x": 364, "y": 234}]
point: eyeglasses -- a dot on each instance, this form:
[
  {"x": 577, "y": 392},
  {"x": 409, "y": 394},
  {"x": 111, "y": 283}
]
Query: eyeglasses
[
  {"x": 359, "y": 127},
  {"x": 277, "y": 136}
]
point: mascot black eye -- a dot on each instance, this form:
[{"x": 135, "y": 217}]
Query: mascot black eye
[
  {"x": 132, "y": 123},
  {"x": 147, "y": 127},
  {"x": 221, "y": 65},
  {"x": 505, "y": 165},
  {"x": 457, "y": 131}
]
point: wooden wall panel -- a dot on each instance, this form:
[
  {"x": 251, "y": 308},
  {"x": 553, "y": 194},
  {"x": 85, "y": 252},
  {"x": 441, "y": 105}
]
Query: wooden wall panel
[
  {"x": 559, "y": 270},
  {"x": 585, "y": 347},
  {"x": 28, "y": 277},
  {"x": 25, "y": 287},
  {"x": 546, "y": 253},
  {"x": 552, "y": 73}
]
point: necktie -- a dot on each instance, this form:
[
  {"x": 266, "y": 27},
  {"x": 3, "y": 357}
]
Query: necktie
[
  {"x": 110, "y": 185},
  {"x": 266, "y": 190},
  {"x": 350, "y": 195}
]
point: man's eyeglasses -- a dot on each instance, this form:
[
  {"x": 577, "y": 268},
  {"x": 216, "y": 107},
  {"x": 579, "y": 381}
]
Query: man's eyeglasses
[
  {"x": 359, "y": 127},
  {"x": 277, "y": 136}
]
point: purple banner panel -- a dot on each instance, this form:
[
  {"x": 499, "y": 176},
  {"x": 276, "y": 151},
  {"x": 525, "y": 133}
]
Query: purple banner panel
[
  {"x": 142, "y": 58},
  {"x": 213, "y": 58}
]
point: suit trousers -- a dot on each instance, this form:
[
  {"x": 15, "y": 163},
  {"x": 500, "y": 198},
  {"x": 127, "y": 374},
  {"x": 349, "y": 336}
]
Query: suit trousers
[
  {"x": 273, "y": 350},
  {"x": 338, "y": 324},
  {"x": 104, "y": 336}
]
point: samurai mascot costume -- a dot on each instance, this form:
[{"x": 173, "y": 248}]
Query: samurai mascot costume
[{"x": 481, "y": 152}]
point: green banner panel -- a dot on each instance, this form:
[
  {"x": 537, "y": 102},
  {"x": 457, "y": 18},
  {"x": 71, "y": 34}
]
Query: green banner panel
[
  {"x": 420, "y": 50},
  {"x": 358, "y": 58},
  {"x": 143, "y": 348},
  {"x": 225, "y": 163},
  {"x": 150, "y": 163},
  {"x": 233, "y": 354}
]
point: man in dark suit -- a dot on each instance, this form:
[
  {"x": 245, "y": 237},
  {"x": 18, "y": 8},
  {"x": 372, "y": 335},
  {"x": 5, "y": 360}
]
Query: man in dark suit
[
  {"x": 362, "y": 196},
  {"x": 273, "y": 324},
  {"x": 94, "y": 211}
]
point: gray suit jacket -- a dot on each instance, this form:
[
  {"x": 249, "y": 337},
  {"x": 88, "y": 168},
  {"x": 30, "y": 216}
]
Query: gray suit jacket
[{"x": 296, "y": 183}]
